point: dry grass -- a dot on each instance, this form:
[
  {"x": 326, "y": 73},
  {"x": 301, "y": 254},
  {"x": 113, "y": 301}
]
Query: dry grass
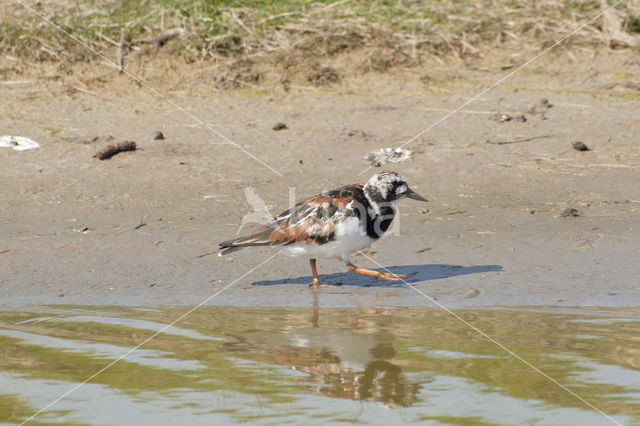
[{"x": 297, "y": 36}]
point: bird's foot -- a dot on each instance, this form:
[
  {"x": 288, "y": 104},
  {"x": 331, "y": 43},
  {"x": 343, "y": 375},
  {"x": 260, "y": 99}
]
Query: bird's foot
[
  {"x": 376, "y": 274},
  {"x": 390, "y": 277}
]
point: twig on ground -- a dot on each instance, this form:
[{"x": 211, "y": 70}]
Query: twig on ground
[
  {"x": 240, "y": 23},
  {"x": 139, "y": 226},
  {"x": 206, "y": 254},
  {"x": 112, "y": 150},
  {"x": 123, "y": 45},
  {"x": 87, "y": 91},
  {"x": 279, "y": 15},
  {"x": 105, "y": 38},
  {"x": 517, "y": 140}
]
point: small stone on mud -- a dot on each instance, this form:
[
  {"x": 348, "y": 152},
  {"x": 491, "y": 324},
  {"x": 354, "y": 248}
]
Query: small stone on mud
[
  {"x": 580, "y": 146},
  {"x": 569, "y": 213},
  {"x": 157, "y": 135},
  {"x": 280, "y": 126},
  {"x": 504, "y": 118}
]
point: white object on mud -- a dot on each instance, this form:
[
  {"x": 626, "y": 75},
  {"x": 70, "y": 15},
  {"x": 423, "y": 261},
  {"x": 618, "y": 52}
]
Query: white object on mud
[
  {"x": 381, "y": 156},
  {"x": 19, "y": 143}
]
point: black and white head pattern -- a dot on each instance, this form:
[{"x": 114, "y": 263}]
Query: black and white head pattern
[{"x": 385, "y": 187}]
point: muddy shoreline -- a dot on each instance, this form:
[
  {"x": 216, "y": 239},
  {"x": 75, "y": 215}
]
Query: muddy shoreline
[{"x": 136, "y": 229}]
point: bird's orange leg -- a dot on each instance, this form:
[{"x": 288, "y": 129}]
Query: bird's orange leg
[
  {"x": 377, "y": 274},
  {"x": 316, "y": 280}
]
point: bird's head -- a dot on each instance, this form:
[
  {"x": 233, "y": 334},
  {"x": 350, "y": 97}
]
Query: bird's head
[{"x": 386, "y": 186}]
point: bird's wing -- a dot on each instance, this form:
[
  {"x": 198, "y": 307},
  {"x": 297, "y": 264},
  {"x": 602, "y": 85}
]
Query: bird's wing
[{"x": 312, "y": 220}]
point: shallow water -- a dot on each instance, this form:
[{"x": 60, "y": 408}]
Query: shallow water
[{"x": 313, "y": 366}]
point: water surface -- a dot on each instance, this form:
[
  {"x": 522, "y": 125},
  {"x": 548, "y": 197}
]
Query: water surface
[{"x": 311, "y": 365}]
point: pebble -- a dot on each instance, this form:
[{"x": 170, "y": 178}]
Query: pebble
[
  {"x": 580, "y": 146},
  {"x": 569, "y": 213},
  {"x": 504, "y": 118}
]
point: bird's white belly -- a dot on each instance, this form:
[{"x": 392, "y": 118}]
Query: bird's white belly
[{"x": 349, "y": 237}]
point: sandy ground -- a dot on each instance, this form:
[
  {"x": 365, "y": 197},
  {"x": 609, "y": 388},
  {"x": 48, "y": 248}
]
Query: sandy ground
[{"x": 137, "y": 229}]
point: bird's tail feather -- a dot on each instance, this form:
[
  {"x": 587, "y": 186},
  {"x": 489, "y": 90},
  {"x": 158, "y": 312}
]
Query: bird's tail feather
[{"x": 253, "y": 240}]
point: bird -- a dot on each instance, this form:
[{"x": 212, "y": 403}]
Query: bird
[{"x": 334, "y": 224}]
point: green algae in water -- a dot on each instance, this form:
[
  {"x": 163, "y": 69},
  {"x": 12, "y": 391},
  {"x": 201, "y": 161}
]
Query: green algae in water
[{"x": 274, "y": 365}]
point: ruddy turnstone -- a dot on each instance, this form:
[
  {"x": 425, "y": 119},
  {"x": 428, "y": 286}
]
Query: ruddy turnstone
[{"x": 334, "y": 224}]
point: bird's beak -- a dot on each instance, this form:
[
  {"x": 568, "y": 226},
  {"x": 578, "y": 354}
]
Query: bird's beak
[{"x": 414, "y": 195}]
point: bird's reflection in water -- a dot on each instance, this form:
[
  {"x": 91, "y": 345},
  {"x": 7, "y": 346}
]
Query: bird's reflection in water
[{"x": 342, "y": 363}]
